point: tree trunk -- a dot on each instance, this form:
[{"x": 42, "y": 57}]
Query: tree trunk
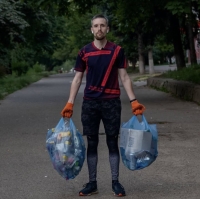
[
  {"x": 170, "y": 60},
  {"x": 178, "y": 47},
  {"x": 188, "y": 56},
  {"x": 193, "y": 57},
  {"x": 151, "y": 63},
  {"x": 133, "y": 61},
  {"x": 140, "y": 52}
]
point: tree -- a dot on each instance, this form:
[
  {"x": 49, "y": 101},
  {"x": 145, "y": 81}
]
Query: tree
[
  {"x": 184, "y": 11},
  {"x": 12, "y": 25},
  {"x": 38, "y": 31}
]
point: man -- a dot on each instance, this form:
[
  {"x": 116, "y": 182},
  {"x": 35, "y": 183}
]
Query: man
[{"x": 103, "y": 61}]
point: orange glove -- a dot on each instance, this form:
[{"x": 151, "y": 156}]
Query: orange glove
[
  {"x": 137, "y": 108},
  {"x": 68, "y": 110}
]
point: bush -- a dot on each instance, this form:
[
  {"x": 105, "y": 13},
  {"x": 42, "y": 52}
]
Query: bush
[
  {"x": 68, "y": 64},
  {"x": 38, "y": 68},
  {"x": 190, "y": 74},
  {"x": 19, "y": 67},
  {"x": 10, "y": 83},
  {"x": 2, "y": 71},
  {"x": 57, "y": 69}
]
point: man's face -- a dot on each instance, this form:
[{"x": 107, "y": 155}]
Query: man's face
[{"x": 99, "y": 28}]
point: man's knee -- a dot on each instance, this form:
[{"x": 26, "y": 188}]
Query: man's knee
[
  {"x": 93, "y": 141},
  {"x": 112, "y": 142}
]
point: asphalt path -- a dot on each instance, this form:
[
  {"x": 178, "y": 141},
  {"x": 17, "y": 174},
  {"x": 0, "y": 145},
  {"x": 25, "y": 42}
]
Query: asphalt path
[{"x": 27, "y": 173}]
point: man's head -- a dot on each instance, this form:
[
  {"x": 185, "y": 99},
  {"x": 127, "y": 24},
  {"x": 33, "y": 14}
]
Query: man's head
[{"x": 99, "y": 26}]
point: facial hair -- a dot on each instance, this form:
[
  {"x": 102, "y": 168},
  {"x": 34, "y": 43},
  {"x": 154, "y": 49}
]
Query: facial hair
[{"x": 99, "y": 38}]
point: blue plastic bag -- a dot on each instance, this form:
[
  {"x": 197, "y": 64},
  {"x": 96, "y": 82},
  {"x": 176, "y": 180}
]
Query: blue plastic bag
[
  {"x": 138, "y": 143},
  {"x": 66, "y": 148}
]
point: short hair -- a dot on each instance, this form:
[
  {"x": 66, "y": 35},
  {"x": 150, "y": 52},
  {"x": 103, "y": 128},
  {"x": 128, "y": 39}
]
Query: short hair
[{"x": 100, "y": 16}]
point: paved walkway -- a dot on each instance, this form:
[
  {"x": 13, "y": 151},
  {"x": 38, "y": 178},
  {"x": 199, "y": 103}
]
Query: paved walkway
[{"x": 25, "y": 168}]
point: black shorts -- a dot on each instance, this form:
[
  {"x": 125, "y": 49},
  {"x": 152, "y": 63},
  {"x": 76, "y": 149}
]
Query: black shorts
[{"x": 93, "y": 111}]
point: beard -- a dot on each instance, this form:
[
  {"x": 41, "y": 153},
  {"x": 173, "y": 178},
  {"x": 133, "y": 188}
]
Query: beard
[{"x": 101, "y": 37}]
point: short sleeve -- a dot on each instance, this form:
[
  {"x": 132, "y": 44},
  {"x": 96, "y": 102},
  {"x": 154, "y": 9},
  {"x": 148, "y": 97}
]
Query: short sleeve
[
  {"x": 80, "y": 62},
  {"x": 121, "y": 59}
]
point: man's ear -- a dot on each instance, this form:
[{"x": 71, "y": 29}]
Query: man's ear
[{"x": 108, "y": 30}]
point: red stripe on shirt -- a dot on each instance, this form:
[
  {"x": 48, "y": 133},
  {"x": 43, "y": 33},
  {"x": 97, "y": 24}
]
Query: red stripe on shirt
[
  {"x": 110, "y": 66},
  {"x": 112, "y": 91},
  {"x": 95, "y": 88},
  {"x": 100, "y": 52}
]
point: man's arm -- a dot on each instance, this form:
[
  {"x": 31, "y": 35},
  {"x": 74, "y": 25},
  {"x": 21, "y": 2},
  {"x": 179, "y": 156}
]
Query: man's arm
[
  {"x": 75, "y": 86},
  {"x": 137, "y": 108},
  {"x": 127, "y": 83}
]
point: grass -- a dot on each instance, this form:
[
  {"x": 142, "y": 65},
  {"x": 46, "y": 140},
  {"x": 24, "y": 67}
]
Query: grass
[
  {"x": 190, "y": 74},
  {"x": 11, "y": 83}
]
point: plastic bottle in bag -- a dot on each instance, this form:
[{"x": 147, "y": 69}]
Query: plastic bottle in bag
[
  {"x": 144, "y": 159},
  {"x": 132, "y": 161},
  {"x": 124, "y": 159}
]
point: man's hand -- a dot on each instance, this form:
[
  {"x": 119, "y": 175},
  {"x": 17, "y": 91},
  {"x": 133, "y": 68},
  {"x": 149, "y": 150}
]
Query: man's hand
[
  {"x": 68, "y": 110},
  {"x": 137, "y": 108}
]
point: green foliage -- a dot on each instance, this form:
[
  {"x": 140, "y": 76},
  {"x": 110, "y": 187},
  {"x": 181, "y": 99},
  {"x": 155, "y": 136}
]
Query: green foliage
[
  {"x": 4, "y": 57},
  {"x": 2, "y": 71},
  {"x": 30, "y": 32},
  {"x": 38, "y": 68},
  {"x": 190, "y": 73},
  {"x": 12, "y": 24},
  {"x": 20, "y": 67},
  {"x": 162, "y": 49},
  {"x": 49, "y": 32},
  {"x": 57, "y": 69},
  {"x": 11, "y": 17},
  {"x": 178, "y": 7},
  {"x": 68, "y": 64},
  {"x": 53, "y": 7},
  {"x": 163, "y": 46},
  {"x": 11, "y": 83}
]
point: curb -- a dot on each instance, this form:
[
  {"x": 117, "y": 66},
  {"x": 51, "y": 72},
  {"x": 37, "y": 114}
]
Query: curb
[{"x": 182, "y": 89}]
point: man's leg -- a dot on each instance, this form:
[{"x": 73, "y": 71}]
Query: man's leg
[
  {"x": 111, "y": 117},
  {"x": 91, "y": 120},
  {"x": 92, "y": 156},
  {"x": 112, "y": 143}
]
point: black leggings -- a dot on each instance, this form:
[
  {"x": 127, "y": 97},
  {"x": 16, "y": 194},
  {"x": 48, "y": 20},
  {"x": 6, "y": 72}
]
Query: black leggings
[{"x": 92, "y": 155}]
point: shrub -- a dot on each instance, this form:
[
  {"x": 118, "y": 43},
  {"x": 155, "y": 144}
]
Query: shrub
[
  {"x": 19, "y": 67},
  {"x": 68, "y": 64},
  {"x": 57, "y": 69},
  {"x": 38, "y": 68},
  {"x": 2, "y": 71},
  {"x": 191, "y": 74}
]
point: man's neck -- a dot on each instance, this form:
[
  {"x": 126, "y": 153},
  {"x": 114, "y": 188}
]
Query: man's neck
[{"x": 100, "y": 43}]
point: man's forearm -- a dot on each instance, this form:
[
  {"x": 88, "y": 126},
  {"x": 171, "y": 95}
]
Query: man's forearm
[
  {"x": 74, "y": 88},
  {"x": 129, "y": 88},
  {"x": 127, "y": 83}
]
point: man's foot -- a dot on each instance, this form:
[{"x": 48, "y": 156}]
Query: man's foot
[
  {"x": 90, "y": 188},
  {"x": 118, "y": 189}
]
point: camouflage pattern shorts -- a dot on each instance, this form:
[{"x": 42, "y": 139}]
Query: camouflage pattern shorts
[{"x": 107, "y": 110}]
